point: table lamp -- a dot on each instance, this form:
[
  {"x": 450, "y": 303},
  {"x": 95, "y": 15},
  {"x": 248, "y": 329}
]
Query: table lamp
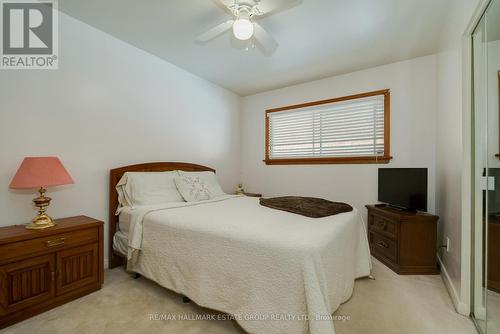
[{"x": 40, "y": 172}]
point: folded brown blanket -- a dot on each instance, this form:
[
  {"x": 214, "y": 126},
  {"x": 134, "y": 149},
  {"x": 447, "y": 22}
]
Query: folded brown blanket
[{"x": 306, "y": 206}]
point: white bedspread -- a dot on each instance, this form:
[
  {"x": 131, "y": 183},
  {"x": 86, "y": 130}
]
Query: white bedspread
[{"x": 274, "y": 271}]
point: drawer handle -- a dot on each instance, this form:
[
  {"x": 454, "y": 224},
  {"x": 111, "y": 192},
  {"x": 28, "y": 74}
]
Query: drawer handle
[
  {"x": 53, "y": 243},
  {"x": 382, "y": 244},
  {"x": 383, "y": 225}
]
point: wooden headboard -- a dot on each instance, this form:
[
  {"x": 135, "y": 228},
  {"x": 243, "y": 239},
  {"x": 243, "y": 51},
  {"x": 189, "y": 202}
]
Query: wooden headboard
[{"x": 115, "y": 176}]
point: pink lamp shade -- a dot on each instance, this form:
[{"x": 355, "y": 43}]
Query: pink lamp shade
[{"x": 36, "y": 172}]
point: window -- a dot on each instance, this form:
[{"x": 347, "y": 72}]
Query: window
[{"x": 351, "y": 129}]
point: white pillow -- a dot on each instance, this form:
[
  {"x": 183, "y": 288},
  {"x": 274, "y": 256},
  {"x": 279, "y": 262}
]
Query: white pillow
[
  {"x": 192, "y": 188},
  {"x": 148, "y": 188},
  {"x": 210, "y": 181}
]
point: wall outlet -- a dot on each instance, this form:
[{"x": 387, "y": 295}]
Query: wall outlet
[{"x": 447, "y": 244}]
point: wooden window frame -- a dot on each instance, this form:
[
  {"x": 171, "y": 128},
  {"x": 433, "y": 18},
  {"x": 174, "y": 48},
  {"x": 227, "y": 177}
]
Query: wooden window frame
[{"x": 384, "y": 159}]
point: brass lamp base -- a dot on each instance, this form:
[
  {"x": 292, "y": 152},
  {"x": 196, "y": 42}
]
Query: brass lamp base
[{"x": 42, "y": 220}]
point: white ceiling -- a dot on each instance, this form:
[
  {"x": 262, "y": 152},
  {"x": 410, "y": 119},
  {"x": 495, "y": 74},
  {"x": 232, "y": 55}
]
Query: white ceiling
[{"x": 317, "y": 38}]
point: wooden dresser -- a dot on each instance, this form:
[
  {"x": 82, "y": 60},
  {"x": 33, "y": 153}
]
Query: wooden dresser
[
  {"x": 493, "y": 254},
  {"x": 41, "y": 269},
  {"x": 404, "y": 241}
]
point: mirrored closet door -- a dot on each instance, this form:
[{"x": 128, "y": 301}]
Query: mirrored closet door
[{"x": 486, "y": 171}]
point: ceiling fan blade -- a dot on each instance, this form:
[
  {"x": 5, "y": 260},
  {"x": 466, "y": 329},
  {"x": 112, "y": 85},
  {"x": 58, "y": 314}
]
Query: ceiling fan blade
[
  {"x": 267, "y": 7},
  {"x": 265, "y": 40},
  {"x": 225, "y": 5},
  {"x": 215, "y": 31}
]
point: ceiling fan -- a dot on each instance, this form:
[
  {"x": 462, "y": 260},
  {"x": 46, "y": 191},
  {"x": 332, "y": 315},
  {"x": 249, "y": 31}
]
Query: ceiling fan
[{"x": 244, "y": 27}]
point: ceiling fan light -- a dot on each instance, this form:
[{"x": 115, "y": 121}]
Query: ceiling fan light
[{"x": 243, "y": 29}]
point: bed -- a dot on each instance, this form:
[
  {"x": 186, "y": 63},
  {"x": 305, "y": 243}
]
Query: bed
[{"x": 272, "y": 271}]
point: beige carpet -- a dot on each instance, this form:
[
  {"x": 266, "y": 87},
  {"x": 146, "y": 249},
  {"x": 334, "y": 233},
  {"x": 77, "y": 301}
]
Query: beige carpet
[{"x": 391, "y": 304}]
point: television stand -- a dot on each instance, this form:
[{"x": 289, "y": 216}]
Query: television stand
[{"x": 404, "y": 241}]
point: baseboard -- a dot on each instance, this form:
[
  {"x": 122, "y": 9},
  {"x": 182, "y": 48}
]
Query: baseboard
[
  {"x": 480, "y": 313},
  {"x": 460, "y": 306}
]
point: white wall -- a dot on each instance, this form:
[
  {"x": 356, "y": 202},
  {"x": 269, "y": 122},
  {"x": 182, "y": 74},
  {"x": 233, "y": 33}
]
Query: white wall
[
  {"x": 493, "y": 101},
  {"x": 109, "y": 104},
  {"x": 449, "y": 161},
  {"x": 450, "y": 150},
  {"x": 413, "y": 107}
]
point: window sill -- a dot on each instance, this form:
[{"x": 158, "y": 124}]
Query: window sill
[{"x": 340, "y": 160}]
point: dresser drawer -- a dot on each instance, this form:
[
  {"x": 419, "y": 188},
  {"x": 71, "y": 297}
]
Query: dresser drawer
[
  {"x": 382, "y": 226},
  {"x": 383, "y": 246},
  {"x": 54, "y": 242}
]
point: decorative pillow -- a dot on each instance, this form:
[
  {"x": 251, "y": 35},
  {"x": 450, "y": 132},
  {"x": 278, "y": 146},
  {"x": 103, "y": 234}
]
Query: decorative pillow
[
  {"x": 210, "y": 181},
  {"x": 193, "y": 189},
  {"x": 148, "y": 188}
]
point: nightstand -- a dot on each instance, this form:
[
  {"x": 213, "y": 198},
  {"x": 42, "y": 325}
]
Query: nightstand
[
  {"x": 42, "y": 269},
  {"x": 404, "y": 241},
  {"x": 251, "y": 194}
]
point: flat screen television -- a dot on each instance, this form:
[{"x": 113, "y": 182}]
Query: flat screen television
[{"x": 404, "y": 188}]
